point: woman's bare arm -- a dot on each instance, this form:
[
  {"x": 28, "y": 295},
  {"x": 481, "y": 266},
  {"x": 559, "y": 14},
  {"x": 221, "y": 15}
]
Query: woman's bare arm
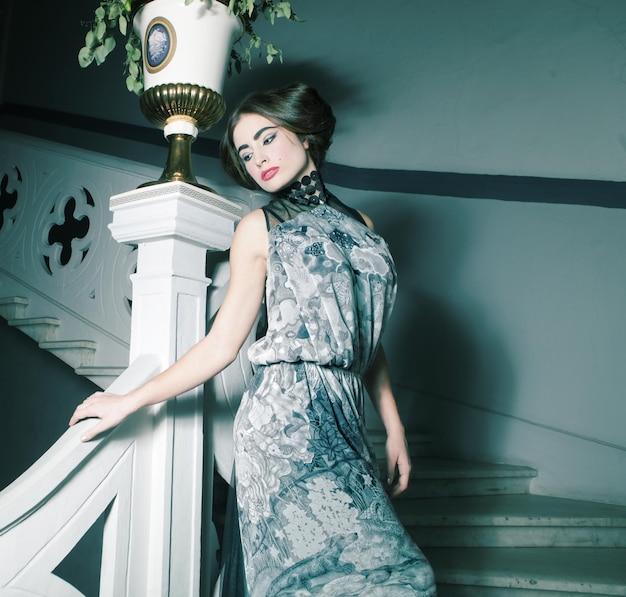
[
  {"x": 378, "y": 385},
  {"x": 248, "y": 257}
]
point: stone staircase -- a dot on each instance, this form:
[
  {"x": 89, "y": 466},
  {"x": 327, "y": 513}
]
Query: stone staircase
[
  {"x": 80, "y": 354},
  {"x": 485, "y": 534}
]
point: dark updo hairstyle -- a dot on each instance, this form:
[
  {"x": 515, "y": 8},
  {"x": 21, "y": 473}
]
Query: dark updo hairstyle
[{"x": 296, "y": 107}]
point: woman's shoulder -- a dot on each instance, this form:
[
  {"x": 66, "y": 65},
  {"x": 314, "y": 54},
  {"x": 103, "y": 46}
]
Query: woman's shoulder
[
  {"x": 366, "y": 220},
  {"x": 252, "y": 220},
  {"x": 251, "y": 231}
]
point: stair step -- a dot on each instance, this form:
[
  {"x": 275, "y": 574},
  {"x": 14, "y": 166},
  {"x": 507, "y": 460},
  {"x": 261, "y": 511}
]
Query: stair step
[
  {"x": 76, "y": 353},
  {"x": 13, "y": 307},
  {"x": 103, "y": 377},
  {"x": 40, "y": 329},
  {"x": 419, "y": 443},
  {"x": 480, "y": 591},
  {"x": 529, "y": 572},
  {"x": 513, "y": 521},
  {"x": 431, "y": 477}
]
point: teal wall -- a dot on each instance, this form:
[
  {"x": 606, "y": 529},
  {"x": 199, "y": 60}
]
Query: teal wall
[
  {"x": 484, "y": 86},
  {"x": 509, "y": 339},
  {"x": 509, "y": 336}
]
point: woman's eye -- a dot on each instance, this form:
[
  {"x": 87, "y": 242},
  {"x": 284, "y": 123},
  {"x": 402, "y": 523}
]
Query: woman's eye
[
  {"x": 269, "y": 139},
  {"x": 246, "y": 157}
]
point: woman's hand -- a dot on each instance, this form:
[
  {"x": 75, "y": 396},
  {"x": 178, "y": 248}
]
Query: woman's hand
[
  {"x": 111, "y": 409},
  {"x": 378, "y": 384},
  {"x": 398, "y": 463}
]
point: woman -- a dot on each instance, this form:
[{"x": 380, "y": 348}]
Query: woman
[{"x": 314, "y": 518}]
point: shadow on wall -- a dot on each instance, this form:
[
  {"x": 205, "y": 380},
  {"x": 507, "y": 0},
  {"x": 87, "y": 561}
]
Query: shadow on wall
[
  {"x": 443, "y": 347},
  {"x": 337, "y": 89}
]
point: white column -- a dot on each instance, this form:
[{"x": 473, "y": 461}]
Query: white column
[{"x": 173, "y": 224}]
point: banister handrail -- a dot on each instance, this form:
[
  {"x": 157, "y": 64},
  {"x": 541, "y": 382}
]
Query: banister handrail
[
  {"x": 67, "y": 459},
  {"x": 66, "y": 455}
]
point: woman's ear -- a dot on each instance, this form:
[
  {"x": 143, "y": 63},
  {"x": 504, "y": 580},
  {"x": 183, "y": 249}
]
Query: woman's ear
[{"x": 304, "y": 139}]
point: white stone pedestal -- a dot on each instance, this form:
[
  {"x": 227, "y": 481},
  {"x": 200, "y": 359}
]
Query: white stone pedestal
[{"x": 173, "y": 225}]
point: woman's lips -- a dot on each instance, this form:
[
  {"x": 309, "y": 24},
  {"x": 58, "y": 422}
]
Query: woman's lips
[{"x": 269, "y": 173}]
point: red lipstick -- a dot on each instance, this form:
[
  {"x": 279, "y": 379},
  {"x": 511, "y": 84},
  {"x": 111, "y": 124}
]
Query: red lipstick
[{"x": 269, "y": 173}]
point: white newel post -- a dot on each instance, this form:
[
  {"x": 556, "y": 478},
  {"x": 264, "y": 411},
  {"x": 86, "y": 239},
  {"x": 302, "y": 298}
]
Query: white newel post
[{"x": 173, "y": 225}]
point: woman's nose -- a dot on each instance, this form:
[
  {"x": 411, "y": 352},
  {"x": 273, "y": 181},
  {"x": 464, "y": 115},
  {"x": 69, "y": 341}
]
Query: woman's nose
[{"x": 260, "y": 158}]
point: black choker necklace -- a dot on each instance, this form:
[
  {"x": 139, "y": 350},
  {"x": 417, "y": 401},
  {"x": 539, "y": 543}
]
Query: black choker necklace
[{"x": 308, "y": 191}]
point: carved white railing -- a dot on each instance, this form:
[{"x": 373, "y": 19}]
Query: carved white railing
[
  {"x": 56, "y": 250},
  {"x": 45, "y": 512},
  {"x": 145, "y": 477}
]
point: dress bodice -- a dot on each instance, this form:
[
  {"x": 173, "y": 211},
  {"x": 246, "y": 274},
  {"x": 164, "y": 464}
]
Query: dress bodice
[{"x": 331, "y": 285}]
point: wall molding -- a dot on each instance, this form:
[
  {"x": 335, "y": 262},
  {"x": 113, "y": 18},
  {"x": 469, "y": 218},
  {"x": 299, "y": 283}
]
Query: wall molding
[
  {"x": 526, "y": 189},
  {"x": 498, "y": 413}
]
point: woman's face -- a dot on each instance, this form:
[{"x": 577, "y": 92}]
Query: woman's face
[{"x": 273, "y": 156}]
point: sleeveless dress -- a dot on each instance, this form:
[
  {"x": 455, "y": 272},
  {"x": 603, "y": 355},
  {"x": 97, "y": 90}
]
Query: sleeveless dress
[{"x": 313, "y": 516}]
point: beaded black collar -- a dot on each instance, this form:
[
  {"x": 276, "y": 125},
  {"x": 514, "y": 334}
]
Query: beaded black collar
[{"x": 308, "y": 191}]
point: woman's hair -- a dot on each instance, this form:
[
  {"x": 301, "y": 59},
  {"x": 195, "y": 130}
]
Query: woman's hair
[{"x": 296, "y": 107}]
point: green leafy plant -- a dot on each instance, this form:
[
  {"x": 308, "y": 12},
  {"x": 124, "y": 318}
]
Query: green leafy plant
[
  {"x": 115, "y": 16},
  {"x": 249, "y": 11}
]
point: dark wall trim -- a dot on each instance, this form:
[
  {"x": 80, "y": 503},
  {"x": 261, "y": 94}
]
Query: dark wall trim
[{"x": 529, "y": 189}]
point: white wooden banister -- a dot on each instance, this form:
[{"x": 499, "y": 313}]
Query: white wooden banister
[
  {"x": 66, "y": 455},
  {"x": 146, "y": 475},
  {"x": 47, "y": 509}
]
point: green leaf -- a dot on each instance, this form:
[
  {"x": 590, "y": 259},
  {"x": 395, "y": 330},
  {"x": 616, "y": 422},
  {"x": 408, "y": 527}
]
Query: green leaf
[
  {"x": 283, "y": 9},
  {"x": 100, "y": 14},
  {"x": 102, "y": 51},
  {"x": 271, "y": 53},
  {"x": 100, "y": 54},
  {"x": 100, "y": 31},
  {"x": 90, "y": 38},
  {"x": 246, "y": 57},
  {"x": 85, "y": 57},
  {"x": 109, "y": 44},
  {"x": 122, "y": 23},
  {"x": 115, "y": 10},
  {"x": 269, "y": 15}
]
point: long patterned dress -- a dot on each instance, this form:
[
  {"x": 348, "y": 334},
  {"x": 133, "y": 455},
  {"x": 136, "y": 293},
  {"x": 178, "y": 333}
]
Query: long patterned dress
[{"x": 313, "y": 516}]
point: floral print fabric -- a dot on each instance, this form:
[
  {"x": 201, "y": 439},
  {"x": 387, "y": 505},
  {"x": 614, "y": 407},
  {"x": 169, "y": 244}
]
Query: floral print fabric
[{"x": 314, "y": 518}]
